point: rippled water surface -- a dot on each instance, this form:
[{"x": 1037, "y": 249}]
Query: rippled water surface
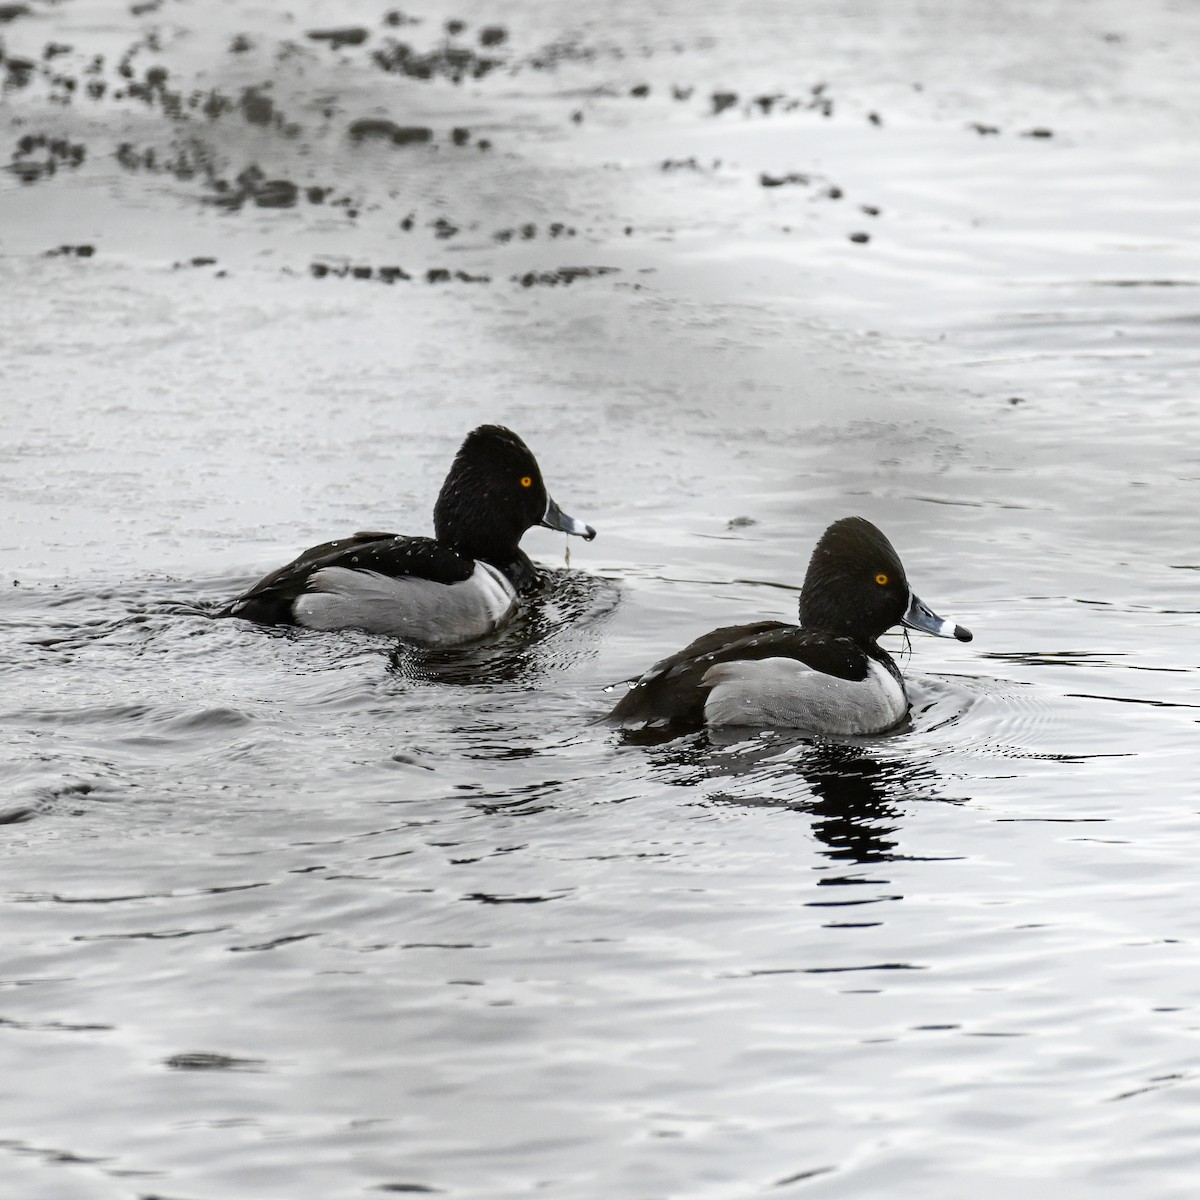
[{"x": 293, "y": 915}]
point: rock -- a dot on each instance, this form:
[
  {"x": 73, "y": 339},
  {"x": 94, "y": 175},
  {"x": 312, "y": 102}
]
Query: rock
[
  {"x": 379, "y": 127},
  {"x": 349, "y": 35},
  {"x": 773, "y": 181},
  {"x": 256, "y": 108},
  {"x": 564, "y": 275},
  {"x": 276, "y": 193}
]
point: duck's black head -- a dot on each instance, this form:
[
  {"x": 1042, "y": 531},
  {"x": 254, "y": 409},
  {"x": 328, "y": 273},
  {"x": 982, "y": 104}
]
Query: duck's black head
[
  {"x": 856, "y": 587},
  {"x": 493, "y": 493}
]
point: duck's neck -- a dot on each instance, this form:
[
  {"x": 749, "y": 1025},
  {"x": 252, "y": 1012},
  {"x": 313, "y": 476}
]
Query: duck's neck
[
  {"x": 875, "y": 651},
  {"x": 464, "y": 520},
  {"x": 520, "y": 570},
  {"x": 511, "y": 561}
]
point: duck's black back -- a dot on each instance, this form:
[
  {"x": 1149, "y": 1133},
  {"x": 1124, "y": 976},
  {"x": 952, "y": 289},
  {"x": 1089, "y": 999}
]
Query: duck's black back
[
  {"x": 270, "y": 600},
  {"x": 673, "y": 693}
]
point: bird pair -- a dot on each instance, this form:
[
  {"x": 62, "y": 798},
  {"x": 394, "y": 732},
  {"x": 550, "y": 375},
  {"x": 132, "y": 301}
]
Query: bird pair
[{"x": 827, "y": 675}]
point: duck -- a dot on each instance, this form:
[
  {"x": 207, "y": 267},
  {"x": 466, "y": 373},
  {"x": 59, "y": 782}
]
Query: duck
[
  {"x": 455, "y": 587},
  {"x": 826, "y": 676}
]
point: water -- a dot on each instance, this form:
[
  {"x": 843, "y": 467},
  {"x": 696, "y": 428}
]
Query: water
[{"x": 297, "y": 915}]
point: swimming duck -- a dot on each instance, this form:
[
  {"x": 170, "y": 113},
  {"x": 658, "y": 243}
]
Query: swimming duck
[
  {"x": 828, "y": 675},
  {"x": 454, "y": 587}
]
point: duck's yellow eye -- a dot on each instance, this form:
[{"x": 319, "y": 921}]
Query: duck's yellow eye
[
  {"x": 881, "y": 579},
  {"x": 527, "y": 481}
]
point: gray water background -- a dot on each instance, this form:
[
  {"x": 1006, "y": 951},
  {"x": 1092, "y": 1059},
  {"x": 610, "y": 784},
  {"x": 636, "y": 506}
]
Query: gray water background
[{"x": 318, "y": 916}]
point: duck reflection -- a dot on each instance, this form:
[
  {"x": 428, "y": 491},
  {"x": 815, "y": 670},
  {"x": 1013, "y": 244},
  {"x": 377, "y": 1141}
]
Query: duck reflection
[
  {"x": 856, "y": 800},
  {"x": 855, "y": 792},
  {"x": 505, "y": 657},
  {"x": 544, "y": 636}
]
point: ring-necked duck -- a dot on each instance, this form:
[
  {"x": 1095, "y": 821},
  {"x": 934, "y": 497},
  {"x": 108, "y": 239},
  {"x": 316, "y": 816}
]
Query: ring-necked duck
[
  {"x": 827, "y": 676},
  {"x": 454, "y": 587}
]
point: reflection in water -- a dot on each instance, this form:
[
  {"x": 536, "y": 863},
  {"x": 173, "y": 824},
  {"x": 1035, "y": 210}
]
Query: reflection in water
[
  {"x": 855, "y": 794},
  {"x": 533, "y": 643},
  {"x": 854, "y": 802}
]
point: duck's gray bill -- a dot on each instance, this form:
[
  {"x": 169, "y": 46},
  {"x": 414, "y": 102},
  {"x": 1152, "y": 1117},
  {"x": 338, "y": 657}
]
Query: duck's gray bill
[
  {"x": 555, "y": 518},
  {"x": 921, "y": 616}
]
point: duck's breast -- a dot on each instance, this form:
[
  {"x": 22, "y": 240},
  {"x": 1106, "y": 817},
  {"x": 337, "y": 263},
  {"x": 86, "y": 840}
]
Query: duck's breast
[
  {"x": 407, "y": 606},
  {"x": 786, "y": 693}
]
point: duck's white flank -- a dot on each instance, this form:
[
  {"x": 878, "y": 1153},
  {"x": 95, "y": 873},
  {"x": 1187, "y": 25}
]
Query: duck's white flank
[
  {"x": 418, "y": 610},
  {"x": 784, "y": 693}
]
